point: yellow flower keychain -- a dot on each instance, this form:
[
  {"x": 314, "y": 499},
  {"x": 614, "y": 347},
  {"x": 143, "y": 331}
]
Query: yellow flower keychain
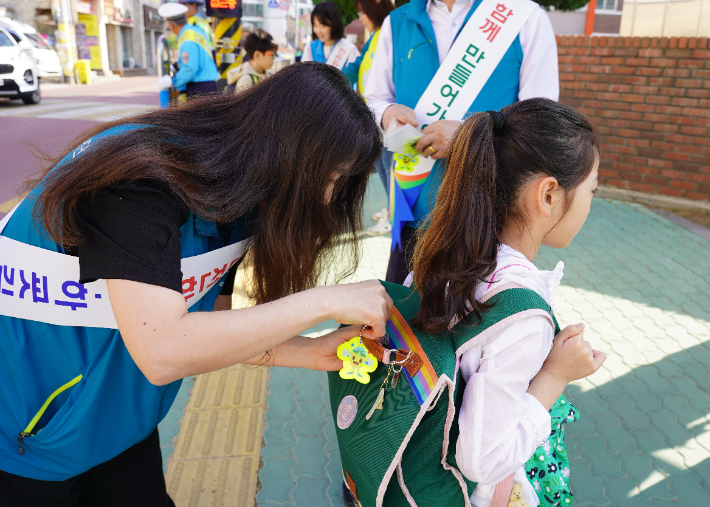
[{"x": 358, "y": 363}]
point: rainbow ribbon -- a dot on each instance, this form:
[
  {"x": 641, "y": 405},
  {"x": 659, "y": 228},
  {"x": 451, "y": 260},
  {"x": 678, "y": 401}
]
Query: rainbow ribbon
[
  {"x": 408, "y": 176},
  {"x": 402, "y": 337}
]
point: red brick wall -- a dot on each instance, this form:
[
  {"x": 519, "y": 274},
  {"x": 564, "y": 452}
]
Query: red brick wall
[{"x": 650, "y": 98}]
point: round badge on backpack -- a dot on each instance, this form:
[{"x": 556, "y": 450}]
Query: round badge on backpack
[{"x": 347, "y": 411}]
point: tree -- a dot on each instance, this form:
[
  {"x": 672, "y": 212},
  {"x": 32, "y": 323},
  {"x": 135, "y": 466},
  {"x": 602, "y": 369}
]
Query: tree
[{"x": 349, "y": 11}]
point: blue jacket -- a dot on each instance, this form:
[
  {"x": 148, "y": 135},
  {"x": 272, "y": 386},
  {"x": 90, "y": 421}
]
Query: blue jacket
[
  {"x": 196, "y": 63},
  {"x": 415, "y": 60},
  {"x": 113, "y": 406}
]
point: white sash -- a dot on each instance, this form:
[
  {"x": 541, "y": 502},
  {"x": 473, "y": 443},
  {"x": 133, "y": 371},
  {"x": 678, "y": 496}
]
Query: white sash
[
  {"x": 41, "y": 285},
  {"x": 339, "y": 54},
  {"x": 473, "y": 57}
]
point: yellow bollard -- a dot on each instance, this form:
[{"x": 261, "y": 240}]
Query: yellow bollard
[{"x": 83, "y": 70}]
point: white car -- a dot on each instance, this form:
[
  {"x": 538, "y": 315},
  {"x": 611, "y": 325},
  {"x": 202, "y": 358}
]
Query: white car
[
  {"x": 18, "y": 70},
  {"x": 48, "y": 64}
]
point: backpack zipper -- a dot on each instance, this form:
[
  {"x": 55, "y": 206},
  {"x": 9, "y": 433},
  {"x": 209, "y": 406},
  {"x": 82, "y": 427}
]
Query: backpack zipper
[{"x": 28, "y": 430}]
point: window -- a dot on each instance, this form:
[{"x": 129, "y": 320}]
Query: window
[
  {"x": 254, "y": 10},
  {"x": 37, "y": 41},
  {"x": 606, "y": 5},
  {"x": 5, "y": 40}
]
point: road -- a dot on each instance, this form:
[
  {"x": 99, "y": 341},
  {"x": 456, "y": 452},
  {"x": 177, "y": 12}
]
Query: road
[{"x": 64, "y": 113}]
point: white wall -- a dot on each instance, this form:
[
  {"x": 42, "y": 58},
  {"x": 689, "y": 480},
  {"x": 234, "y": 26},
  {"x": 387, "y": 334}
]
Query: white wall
[
  {"x": 568, "y": 23},
  {"x": 666, "y": 18}
]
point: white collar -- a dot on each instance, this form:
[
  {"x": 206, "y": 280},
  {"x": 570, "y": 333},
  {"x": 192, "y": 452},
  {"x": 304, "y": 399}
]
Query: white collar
[
  {"x": 440, "y": 4},
  {"x": 513, "y": 267}
]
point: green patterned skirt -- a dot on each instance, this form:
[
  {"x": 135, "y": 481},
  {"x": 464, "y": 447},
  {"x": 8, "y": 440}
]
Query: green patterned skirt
[{"x": 548, "y": 468}]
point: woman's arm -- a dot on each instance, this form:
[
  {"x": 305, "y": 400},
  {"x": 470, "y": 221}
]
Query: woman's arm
[{"x": 168, "y": 343}]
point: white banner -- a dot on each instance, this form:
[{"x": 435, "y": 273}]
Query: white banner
[
  {"x": 338, "y": 55},
  {"x": 468, "y": 65},
  {"x": 41, "y": 285}
]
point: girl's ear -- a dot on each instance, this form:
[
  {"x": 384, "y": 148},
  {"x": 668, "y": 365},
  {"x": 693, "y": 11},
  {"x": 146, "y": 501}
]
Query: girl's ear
[{"x": 547, "y": 195}]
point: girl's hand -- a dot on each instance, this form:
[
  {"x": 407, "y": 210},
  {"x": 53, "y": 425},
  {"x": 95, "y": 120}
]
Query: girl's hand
[
  {"x": 362, "y": 304},
  {"x": 572, "y": 357}
]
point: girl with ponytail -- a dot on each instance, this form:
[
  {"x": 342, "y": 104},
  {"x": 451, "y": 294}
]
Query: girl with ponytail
[{"x": 515, "y": 180}]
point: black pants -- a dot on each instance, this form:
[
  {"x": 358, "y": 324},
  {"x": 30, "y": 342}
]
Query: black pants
[
  {"x": 400, "y": 263},
  {"x": 204, "y": 87},
  {"x": 134, "y": 478}
]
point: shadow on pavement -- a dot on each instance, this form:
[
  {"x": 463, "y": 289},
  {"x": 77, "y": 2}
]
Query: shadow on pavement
[{"x": 644, "y": 438}]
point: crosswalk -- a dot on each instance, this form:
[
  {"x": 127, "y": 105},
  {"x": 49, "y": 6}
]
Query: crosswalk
[{"x": 73, "y": 110}]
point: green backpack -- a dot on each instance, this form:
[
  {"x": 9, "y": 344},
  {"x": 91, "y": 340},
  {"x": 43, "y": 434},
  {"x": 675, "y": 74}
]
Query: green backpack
[{"x": 413, "y": 436}]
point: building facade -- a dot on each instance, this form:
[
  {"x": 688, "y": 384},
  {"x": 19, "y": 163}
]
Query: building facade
[{"x": 117, "y": 36}]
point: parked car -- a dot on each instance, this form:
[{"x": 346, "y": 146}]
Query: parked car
[
  {"x": 18, "y": 70},
  {"x": 48, "y": 64}
]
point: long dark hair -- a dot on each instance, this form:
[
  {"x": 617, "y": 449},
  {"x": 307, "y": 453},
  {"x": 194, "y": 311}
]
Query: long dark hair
[
  {"x": 485, "y": 174},
  {"x": 376, "y": 10},
  {"x": 272, "y": 148},
  {"x": 328, "y": 14}
]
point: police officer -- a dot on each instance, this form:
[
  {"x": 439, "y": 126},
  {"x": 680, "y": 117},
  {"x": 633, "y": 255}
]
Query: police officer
[
  {"x": 195, "y": 19},
  {"x": 197, "y": 71}
]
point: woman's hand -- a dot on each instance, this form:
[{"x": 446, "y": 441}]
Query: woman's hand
[
  {"x": 325, "y": 348},
  {"x": 362, "y": 304}
]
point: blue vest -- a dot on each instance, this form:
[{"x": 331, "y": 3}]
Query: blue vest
[
  {"x": 113, "y": 406},
  {"x": 415, "y": 60},
  {"x": 317, "y": 51}
]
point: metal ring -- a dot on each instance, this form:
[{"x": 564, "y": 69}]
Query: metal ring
[
  {"x": 362, "y": 329},
  {"x": 433, "y": 151}
]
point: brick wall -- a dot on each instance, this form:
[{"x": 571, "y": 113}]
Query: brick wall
[{"x": 650, "y": 98}]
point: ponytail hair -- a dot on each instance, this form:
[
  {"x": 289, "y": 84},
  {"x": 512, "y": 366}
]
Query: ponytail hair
[{"x": 492, "y": 157}]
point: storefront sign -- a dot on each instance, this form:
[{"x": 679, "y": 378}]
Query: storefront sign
[
  {"x": 83, "y": 7},
  {"x": 152, "y": 19},
  {"x": 87, "y": 40},
  {"x": 121, "y": 12},
  {"x": 224, "y": 8}
]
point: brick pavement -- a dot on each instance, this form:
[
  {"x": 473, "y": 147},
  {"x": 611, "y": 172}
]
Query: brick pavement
[{"x": 641, "y": 284}]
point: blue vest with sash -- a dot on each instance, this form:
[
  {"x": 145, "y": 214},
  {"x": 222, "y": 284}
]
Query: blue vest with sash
[
  {"x": 415, "y": 60},
  {"x": 113, "y": 406}
]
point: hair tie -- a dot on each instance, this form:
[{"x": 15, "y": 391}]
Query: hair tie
[{"x": 498, "y": 121}]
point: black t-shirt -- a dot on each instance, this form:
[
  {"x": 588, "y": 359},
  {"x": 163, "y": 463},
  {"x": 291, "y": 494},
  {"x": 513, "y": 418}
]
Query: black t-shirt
[{"x": 132, "y": 232}]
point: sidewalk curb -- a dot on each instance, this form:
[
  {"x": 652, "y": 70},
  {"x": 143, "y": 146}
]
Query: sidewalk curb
[
  {"x": 621, "y": 194},
  {"x": 691, "y": 226}
]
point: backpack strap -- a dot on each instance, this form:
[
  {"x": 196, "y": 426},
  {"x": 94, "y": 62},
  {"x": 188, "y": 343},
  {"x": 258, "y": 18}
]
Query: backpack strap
[{"x": 510, "y": 303}]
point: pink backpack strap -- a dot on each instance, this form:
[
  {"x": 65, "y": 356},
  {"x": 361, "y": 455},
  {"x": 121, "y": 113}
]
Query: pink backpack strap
[{"x": 501, "y": 495}]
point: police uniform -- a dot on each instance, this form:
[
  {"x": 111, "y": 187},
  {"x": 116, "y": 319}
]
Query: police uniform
[
  {"x": 197, "y": 71},
  {"x": 201, "y": 22}
]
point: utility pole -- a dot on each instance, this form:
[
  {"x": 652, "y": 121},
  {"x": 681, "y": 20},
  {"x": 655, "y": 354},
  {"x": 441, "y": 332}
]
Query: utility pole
[{"x": 66, "y": 38}]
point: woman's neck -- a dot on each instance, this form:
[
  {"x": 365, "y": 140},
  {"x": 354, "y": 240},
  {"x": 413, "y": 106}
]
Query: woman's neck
[{"x": 329, "y": 43}]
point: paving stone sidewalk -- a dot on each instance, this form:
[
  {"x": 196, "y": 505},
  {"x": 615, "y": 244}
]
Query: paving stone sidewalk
[{"x": 641, "y": 284}]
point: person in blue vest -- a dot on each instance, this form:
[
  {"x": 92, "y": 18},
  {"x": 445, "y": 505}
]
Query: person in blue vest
[
  {"x": 197, "y": 72},
  {"x": 418, "y": 36},
  {"x": 133, "y": 198},
  {"x": 372, "y": 14},
  {"x": 328, "y": 44}
]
